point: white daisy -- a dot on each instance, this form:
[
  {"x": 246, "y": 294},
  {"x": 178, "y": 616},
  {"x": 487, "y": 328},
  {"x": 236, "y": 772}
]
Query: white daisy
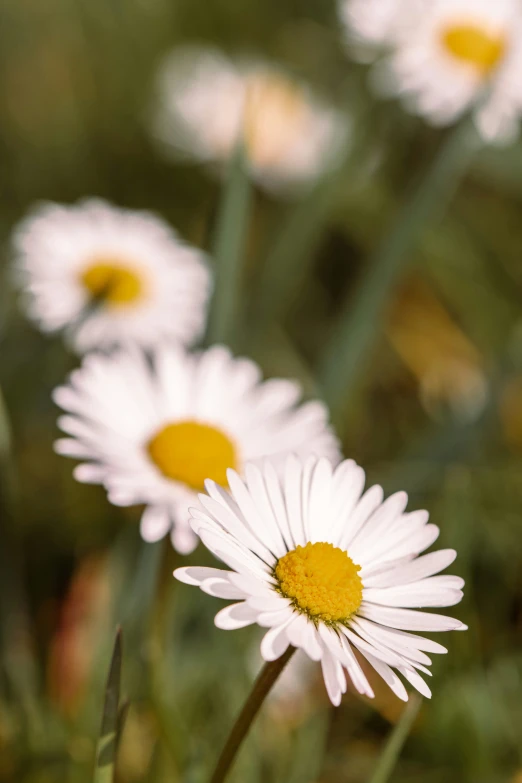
[
  {"x": 207, "y": 103},
  {"x": 110, "y": 276},
  {"x": 447, "y": 56},
  {"x": 326, "y": 569},
  {"x": 153, "y": 432}
]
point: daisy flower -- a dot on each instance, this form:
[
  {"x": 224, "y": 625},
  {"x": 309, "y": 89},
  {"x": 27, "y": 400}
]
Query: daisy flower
[
  {"x": 152, "y": 432},
  {"x": 207, "y": 104},
  {"x": 448, "y": 56},
  {"x": 327, "y": 569},
  {"x": 110, "y": 276}
]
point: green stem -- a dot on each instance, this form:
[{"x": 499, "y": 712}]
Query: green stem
[
  {"x": 229, "y": 246},
  {"x": 398, "y": 736},
  {"x": 359, "y": 321},
  {"x": 266, "y": 679}
]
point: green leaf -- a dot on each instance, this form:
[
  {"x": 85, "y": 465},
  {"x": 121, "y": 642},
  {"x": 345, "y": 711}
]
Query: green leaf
[{"x": 112, "y": 719}]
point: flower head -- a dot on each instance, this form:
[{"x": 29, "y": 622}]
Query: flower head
[
  {"x": 446, "y": 57},
  {"x": 207, "y": 104},
  {"x": 327, "y": 569},
  {"x": 153, "y": 432},
  {"x": 110, "y": 276}
]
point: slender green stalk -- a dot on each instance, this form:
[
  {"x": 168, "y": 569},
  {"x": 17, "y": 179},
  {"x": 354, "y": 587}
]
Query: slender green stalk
[
  {"x": 266, "y": 679},
  {"x": 291, "y": 254},
  {"x": 139, "y": 589},
  {"x": 228, "y": 247},
  {"x": 359, "y": 321},
  {"x": 398, "y": 736}
]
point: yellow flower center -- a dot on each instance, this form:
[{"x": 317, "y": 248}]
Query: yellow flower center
[
  {"x": 190, "y": 452},
  {"x": 274, "y": 114},
  {"x": 322, "y": 581},
  {"x": 475, "y": 46},
  {"x": 112, "y": 282}
]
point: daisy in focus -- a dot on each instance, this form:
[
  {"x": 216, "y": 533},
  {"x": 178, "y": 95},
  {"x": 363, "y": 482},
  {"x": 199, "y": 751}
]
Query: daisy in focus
[
  {"x": 446, "y": 57},
  {"x": 327, "y": 569},
  {"x": 110, "y": 276},
  {"x": 152, "y": 432},
  {"x": 208, "y": 104}
]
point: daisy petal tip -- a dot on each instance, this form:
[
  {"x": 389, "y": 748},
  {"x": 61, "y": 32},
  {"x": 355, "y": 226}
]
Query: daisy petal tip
[{"x": 182, "y": 576}]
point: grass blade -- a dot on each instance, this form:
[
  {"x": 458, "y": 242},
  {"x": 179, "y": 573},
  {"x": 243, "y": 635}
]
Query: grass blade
[
  {"x": 398, "y": 736},
  {"x": 104, "y": 771},
  {"x": 230, "y": 236}
]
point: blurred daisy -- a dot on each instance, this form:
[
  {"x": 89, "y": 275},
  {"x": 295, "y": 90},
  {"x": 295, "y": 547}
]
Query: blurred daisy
[
  {"x": 110, "y": 276},
  {"x": 447, "y": 56},
  {"x": 208, "y": 103},
  {"x": 327, "y": 569},
  {"x": 152, "y": 433}
]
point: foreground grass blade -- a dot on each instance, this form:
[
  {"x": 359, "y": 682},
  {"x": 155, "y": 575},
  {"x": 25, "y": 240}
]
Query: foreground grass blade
[
  {"x": 229, "y": 242},
  {"x": 399, "y": 734},
  {"x": 359, "y": 322},
  {"x": 104, "y": 771}
]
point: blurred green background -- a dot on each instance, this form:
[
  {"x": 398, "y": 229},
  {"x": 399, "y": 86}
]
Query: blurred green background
[{"x": 436, "y": 408}]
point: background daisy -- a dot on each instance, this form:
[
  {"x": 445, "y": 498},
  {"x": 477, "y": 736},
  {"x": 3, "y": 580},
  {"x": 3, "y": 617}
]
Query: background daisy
[
  {"x": 109, "y": 276},
  {"x": 153, "y": 434},
  {"x": 446, "y": 56},
  {"x": 207, "y": 103},
  {"x": 327, "y": 569}
]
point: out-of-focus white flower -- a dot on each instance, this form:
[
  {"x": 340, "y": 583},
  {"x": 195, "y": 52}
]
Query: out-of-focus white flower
[
  {"x": 152, "y": 433},
  {"x": 326, "y": 569},
  {"x": 208, "y": 103},
  {"x": 447, "y": 56},
  {"x": 110, "y": 276}
]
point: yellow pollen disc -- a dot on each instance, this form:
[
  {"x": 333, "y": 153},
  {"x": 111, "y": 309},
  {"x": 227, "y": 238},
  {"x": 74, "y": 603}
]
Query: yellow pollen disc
[
  {"x": 112, "y": 282},
  {"x": 274, "y": 114},
  {"x": 322, "y": 581},
  {"x": 474, "y": 45},
  {"x": 190, "y": 452}
]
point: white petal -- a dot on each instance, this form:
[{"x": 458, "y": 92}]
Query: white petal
[
  {"x": 270, "y": 533},
  {"x": 292, "y": 493},
  {"x": 416, "y": 594},
  {"x": 195, "y": 575},
  {"x": 332, "y": 672},
  {"x": 155, "y": 523},
  {"x": 320, "y": 489},
  {"x": 233, "y": 525},
  {"x": 270, "y": 601},
  {"x": 417, "y": 569},
  {"x": 274, "y": 643},
  {"x": 384, "y": 655},
  {"x": 235, "y": 616},
  {"x": 389, "y": 676},
  {"x": 275, "y": 494},
  {"x": 267, "y": 619},
  {"x": 409, "y": 620},
  {"x": 376, "y": 525},
  {"x": 398, "y": 640},
  {"x": 89, "y": 473},
  {"x": 371, "y": 499},
  {"x": 417, "y": 682},
  {"x": 221, "y": 588},
  {"x": 251, "y": 585}
]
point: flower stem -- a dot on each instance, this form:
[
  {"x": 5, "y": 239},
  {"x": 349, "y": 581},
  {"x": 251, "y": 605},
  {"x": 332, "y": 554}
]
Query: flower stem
[
  {"x": 399, "y": 735},
  {"x": 229, "y": 247},
  {"x": 359, "y": 321},
  {"x": 265, "y": 680}
]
